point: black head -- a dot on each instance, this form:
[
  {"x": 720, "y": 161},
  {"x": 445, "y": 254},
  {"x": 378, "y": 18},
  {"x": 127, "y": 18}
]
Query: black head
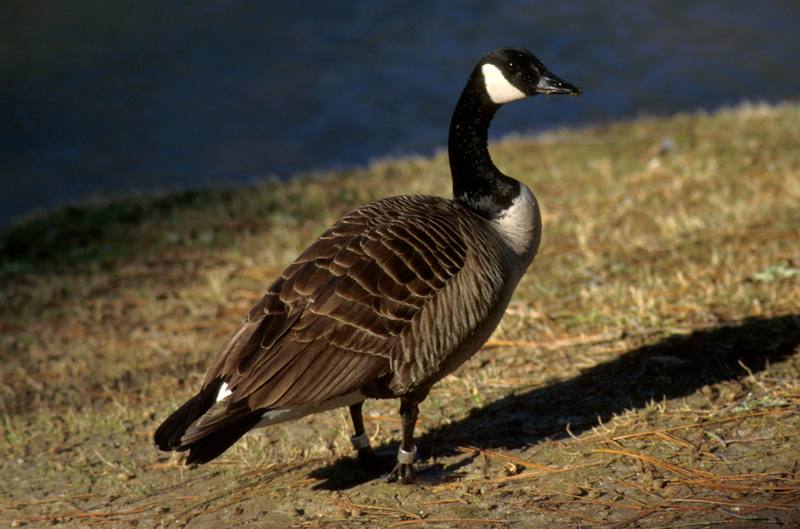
[{"x": 509, "y": 74}]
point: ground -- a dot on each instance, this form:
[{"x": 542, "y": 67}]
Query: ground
[{"x": 646, "y": 374}]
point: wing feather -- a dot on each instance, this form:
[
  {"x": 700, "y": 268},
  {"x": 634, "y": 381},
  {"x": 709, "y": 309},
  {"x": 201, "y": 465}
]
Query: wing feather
[{"x": 331, "y": 322}]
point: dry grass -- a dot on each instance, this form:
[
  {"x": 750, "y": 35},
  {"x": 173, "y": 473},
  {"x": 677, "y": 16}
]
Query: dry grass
[{"x": 646, "y": 375}]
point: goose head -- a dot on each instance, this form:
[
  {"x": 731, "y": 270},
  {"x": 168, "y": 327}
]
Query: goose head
[
  {"x": 501, "y": 76},
  {"x": 509, "y": 74}
]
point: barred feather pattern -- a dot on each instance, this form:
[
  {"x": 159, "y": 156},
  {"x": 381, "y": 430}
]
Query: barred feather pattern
[{"x": 391, "y": 298}]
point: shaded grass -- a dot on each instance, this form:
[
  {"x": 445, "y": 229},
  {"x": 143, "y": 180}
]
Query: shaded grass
[{"x": 657, "y": 326}]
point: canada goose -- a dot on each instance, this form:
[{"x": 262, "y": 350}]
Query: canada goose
[{"x": 391, "y": 298}]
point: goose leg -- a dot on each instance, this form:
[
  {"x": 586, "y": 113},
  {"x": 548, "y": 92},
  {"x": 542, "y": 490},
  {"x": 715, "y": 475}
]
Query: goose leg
[
  {"x": 407, "y": 453},
  {"x": 360, "y": 439}
]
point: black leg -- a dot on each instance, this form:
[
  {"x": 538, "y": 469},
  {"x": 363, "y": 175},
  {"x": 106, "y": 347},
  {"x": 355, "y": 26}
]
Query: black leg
[
  {"x": 404, "y": 469},
  {"x": 360, "y": 439}
]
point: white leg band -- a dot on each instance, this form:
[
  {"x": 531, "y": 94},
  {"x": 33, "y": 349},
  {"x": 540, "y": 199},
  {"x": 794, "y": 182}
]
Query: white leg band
[
  {"x": 360, "y": 441},
  {"x": 407, "y": 457}
]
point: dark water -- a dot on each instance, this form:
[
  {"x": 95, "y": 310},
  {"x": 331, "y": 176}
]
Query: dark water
[{"x": 104, "y": 97}]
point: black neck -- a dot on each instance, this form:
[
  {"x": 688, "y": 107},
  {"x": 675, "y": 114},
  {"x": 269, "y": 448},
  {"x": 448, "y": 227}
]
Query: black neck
[{"x": 477, "y": 183}]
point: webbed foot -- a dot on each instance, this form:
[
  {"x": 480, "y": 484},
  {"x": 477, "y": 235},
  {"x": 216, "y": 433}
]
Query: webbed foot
[
  {"x": 404, "y": 469},
  {"x": 402, "y": 472}
]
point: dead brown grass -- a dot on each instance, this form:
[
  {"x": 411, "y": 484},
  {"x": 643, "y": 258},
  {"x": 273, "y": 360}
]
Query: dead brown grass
[{"x": 646, "y": 375}]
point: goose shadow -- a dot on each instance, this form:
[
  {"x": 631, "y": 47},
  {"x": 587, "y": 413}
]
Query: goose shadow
[{"x": 674, "y": 367}]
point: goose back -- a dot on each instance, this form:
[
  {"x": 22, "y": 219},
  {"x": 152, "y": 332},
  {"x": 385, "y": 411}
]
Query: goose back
[{"x": 370, "y": 306}]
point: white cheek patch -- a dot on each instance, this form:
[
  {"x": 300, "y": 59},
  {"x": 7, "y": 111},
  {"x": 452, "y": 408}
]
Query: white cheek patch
[
  {"x": 500, "y": 90},
  {"x": 223, "y": 392}
]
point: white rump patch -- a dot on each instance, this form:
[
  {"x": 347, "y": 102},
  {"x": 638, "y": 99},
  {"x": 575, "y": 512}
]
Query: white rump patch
[
  {"x": 499, "y": 88},
  {"x": 275, "y": 416},
  {"x": 223, "y": 392}
]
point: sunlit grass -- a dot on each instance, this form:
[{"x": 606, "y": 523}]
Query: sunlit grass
[{"x": 652, "y": 228}]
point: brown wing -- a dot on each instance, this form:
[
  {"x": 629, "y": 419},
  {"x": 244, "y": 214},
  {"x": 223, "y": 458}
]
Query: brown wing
[{"x": 329, "y": 324}]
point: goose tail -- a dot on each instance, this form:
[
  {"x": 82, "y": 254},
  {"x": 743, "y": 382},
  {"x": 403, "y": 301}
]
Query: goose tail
[
  {"x": 168, "y": 435},
  {"x": 184, "y": 431}
]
